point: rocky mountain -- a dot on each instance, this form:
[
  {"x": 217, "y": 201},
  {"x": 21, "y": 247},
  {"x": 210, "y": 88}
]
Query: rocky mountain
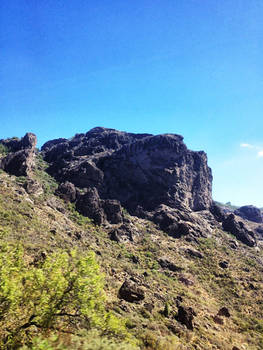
[
  {"x": 141, "y": 171},
  {"x": 181, "y": 268}
]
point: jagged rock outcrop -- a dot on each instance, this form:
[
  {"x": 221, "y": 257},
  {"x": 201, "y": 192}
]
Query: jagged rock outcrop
[
  {"x": 137, "y": 171},
  {"x": 20, "y": 159},
  {"x": 67, "y": 191},
  {"x": 251, "y": 213},
  {"x": 131, "y": 292},
  {"x": 154, "y": 177},
  {"x": 100, "y": 210},
  {"x": 239, "y": 230},
  {"x": 219, "y": 214},
  {"x": 180, "y": 222}
]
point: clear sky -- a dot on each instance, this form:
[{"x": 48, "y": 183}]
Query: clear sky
[{"x": 193, "y": 67}]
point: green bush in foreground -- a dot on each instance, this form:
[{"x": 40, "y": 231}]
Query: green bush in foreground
[
  {"x": 91, "y": 340},
  {"x": 62, "y": 294}
]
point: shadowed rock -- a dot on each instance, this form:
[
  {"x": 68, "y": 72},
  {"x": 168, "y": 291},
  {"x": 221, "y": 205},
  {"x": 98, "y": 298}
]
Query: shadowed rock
[
  {"x": 224, "y": 312},
  {"x": 139, "y": 171},
  {"x": 100, "y": 211},
  {"x": 251, "y": 213},
  {"x": 239, "y": 230},
  {"x": 67, "y": 191},
  {"x": 219, "y": 214},
  {"x": 185, "y": 316},
  {"x": 131, "y": 292},
  {"x": 166, "y": 263},
  {"x": 21, "y": 157}
]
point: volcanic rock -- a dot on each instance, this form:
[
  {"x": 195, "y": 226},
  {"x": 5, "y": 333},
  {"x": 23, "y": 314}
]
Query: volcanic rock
[
  {"x": 239, "y": 230},
  {"x": 224, "y": 312},
  {"x": 194, "y": 253},
  {"x": 181, "y": 222},
  {"x": 122, "y": 233},
  {"x": 33, "y": 187},
  {"x": 259, "y": 230},
  {"x": 89, "y": 205},
  {"x": 251, "y": 213},
  {"x": 166, "y": 263},
  {"x": 140, "y": 172},
  {"x": 223, "y": 264},
  {"x": 185, "y": 316},
  {"x": 131, "y": 292},
  {"x": 218, "y": 320},
  {"x": 67, "y": 191},
  {"x": 20, "y": 159},
  {"x": 218, "y": 212}
]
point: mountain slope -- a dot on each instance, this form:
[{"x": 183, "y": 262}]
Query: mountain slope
[{"x": 198, "y": 290}]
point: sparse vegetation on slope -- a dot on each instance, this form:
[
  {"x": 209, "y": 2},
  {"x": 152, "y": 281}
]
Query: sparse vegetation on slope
[
  {"x": 48, "y": 236},
  {"x": 66, "y": 283}
]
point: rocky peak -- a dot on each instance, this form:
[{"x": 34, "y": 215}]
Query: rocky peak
[
  {"x": 20, "y": 159},
  {"x": 140, "y": 171},
  {"x": 14, "y": 144}
]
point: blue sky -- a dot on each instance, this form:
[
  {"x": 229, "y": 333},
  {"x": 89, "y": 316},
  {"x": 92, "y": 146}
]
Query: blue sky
[{"x": 191, "y": 67}]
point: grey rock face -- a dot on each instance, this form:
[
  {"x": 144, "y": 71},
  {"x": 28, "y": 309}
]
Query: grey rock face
[
  {"x": 218, "y": 212},
  {"x": 239, "y": 230},
  {"x": 181, "y": 222},
  {"x": 21, "y": 157},
  {"x": 251, "y": 213},
  {"x": 131, "y": 292},
  {"x": 138, "y": 171},
  {"x": 157, "y": 170},
  {"x": 67, "y": 191},
  {"x": 97, "y": 209}
]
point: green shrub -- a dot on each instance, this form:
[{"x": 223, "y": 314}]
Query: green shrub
[
  {"x": 47, "y": 182},
  {"x": 91, "y": 340},
  {"x": 3, "y": 150},
  {"x": 61, "y": 294}
]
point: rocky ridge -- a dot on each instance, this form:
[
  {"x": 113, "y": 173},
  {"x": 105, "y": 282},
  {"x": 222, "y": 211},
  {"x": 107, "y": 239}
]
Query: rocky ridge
[{"x": 155, "y": 177}]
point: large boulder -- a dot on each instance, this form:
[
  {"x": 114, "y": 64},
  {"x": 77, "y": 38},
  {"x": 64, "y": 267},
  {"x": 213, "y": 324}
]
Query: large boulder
[
  {"x": 67, "y": 191},
  {"x": 180, "y": 222},
  {"x": 131, "y": 292},
  {"x": 89, "y": 205},
  {"x": 239, "y": 230},
  {"x": 251, "y": 213},
  {"x": 186, "y": 316}
]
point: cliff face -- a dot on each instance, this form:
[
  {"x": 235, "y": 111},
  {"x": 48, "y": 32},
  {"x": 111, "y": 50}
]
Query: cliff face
[
  {"x": 141, "y": 171},
  {"x": 20, "y": 159}
]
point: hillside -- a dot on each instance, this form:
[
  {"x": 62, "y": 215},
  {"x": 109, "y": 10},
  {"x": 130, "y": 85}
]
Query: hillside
[{"x": 169, "y": 269}]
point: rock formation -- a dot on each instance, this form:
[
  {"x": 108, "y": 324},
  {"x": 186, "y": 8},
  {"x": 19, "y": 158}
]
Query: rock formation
[
  {"x": 140, "y": 172},
  {"x": 20, "y": 158},
  {"x": 251, "y": 213},
  {"x": 239, "y": 230},
  {"x": 155, "y": 177}
]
